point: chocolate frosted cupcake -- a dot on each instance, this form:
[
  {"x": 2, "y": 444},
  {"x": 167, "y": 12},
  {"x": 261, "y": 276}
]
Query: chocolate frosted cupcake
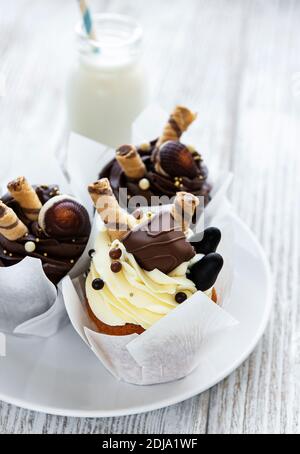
[
  {"x": 161, "y": 167},
  {"x": 39, "y": 222},
  {"x": 143, "y": 267}
]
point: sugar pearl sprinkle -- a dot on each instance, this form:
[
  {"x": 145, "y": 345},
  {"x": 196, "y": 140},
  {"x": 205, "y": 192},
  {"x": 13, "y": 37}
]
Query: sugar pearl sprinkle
[
  {"x": 116, "y": 267},
  {"x": 144, "y": 184},
  {"x": 145, "y": 146},
  {"x": 180, "y": 297},
  {"x": 191, "y": 148},
  {"x": 30, "y": 246},
  {"x": 98, "y": 284},
  {"x": 115, "y": 253}
]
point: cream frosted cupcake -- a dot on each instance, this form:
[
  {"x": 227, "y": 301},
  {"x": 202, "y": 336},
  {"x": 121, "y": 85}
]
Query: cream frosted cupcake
[{"x": 143, "y": 266}]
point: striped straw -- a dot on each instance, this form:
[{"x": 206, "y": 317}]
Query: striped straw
[{"x": 87, "y": 19}]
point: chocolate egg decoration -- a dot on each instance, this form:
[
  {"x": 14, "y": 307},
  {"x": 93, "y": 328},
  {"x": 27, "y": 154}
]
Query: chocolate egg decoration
[
  {"x": 207, "y": 241},
  {"x": 64, "y": 217},
  {"x": 176, "y": 160},
  {"x": 205, "y": 272},
  {"x": 157, "y": 244}
]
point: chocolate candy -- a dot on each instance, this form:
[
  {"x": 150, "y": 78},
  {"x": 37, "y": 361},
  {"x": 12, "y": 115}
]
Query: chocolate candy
[
  {"x": 209, "y": 242},
  {"x": 116, "y": 267},
  {"x": 180, "y": 297},
  {"x": 98, "y": 284},
  {"x": 176, "y": 160},
  {"x": 205, "y": 272},
  {"x": 157, "y": 244},
  {"x": 64, "y": 217},
  {"x": 115, "y": 253}
]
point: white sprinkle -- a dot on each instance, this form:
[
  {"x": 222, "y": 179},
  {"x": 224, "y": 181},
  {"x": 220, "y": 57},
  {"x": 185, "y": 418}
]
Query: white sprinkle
[
  {"x": 29, "y": 246},
  {"x": 144, "y": 184}
]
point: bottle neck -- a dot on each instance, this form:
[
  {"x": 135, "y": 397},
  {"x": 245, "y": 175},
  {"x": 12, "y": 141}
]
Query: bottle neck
[{"x": 117, "y": 46}]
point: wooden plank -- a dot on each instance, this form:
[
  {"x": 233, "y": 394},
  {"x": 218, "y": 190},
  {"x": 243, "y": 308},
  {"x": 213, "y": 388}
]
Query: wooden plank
[{"x": 261, "y": 396}]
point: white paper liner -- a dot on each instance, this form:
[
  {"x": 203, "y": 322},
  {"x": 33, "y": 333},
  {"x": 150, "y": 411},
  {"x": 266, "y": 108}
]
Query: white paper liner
[
  {"x": 86, "y": 159},
  {"x": 175, "y": 345},
  {"x": 29, "y": 303}
]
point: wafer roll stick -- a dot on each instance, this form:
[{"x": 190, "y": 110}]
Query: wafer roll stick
[
  {"x": 117, "y": 221},
  {"x": 131, "y": 162},
  {"x": 178, "y": 122},
  {"x": 26, "y": 197},
  {"x": 10, "y": 225},
  {"x": 183, "y": 209}
]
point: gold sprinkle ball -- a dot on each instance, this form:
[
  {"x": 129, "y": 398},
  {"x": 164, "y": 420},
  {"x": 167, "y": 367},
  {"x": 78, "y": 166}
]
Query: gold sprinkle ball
[
  {"x": 145, "y": 146},
  {"x": 191, "y": 148}
]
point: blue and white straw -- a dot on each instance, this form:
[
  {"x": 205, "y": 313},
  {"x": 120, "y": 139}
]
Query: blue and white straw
[{"x": 87, "y": 19}]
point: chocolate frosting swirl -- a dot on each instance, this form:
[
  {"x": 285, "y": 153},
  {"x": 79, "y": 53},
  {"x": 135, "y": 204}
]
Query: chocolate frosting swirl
[
  {"x": 58, "y": 255},
  {"x": 159, "y": 185}
]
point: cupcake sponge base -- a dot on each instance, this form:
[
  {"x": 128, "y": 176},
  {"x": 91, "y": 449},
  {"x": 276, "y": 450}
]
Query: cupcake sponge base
[{"x": 123, "y": 330}]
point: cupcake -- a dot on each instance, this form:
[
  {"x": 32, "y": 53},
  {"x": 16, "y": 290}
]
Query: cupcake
[
  {"x": 143, "y": 266},
  {"x": 40, "y": 222},
  {"x": 161, "y": 168}
]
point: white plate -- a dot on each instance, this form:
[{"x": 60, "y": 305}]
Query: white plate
[{"x": 61, "y": 376}]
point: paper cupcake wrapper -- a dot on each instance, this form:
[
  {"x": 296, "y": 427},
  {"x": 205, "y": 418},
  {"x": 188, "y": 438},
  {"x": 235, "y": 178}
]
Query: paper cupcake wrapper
[
  {"x": 175, "y": 345},
  {"x": 29, "y": 303}
]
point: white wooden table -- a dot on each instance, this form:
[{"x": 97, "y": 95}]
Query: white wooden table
[{"x": 238, "y": 63}]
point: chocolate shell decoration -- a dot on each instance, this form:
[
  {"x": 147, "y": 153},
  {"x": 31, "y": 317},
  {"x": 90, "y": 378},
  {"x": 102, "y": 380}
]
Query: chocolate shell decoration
[
  {"x": 63, "y": 217},
  {"x": 174, "y": 159},
  {"x": 158, "y": 244}
]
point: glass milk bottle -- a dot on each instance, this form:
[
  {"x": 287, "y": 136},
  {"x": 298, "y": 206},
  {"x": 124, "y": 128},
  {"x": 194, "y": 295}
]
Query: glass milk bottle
[{"x": 108, "y": 87}]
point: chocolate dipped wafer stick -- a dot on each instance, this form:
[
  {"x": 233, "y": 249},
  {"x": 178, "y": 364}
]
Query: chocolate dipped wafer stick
[
  {"x": 10, "y": 225},
  {"x": 183, "y": 209},
  {"x": 26, "y": 197},
  {"x": 179, "y": 121},
  {"x": 117, "y": 221},
  {"x": 131, "y": 162}
]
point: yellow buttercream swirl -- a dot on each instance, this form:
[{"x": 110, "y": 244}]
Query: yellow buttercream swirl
[{"x": 133, "y": 295}]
